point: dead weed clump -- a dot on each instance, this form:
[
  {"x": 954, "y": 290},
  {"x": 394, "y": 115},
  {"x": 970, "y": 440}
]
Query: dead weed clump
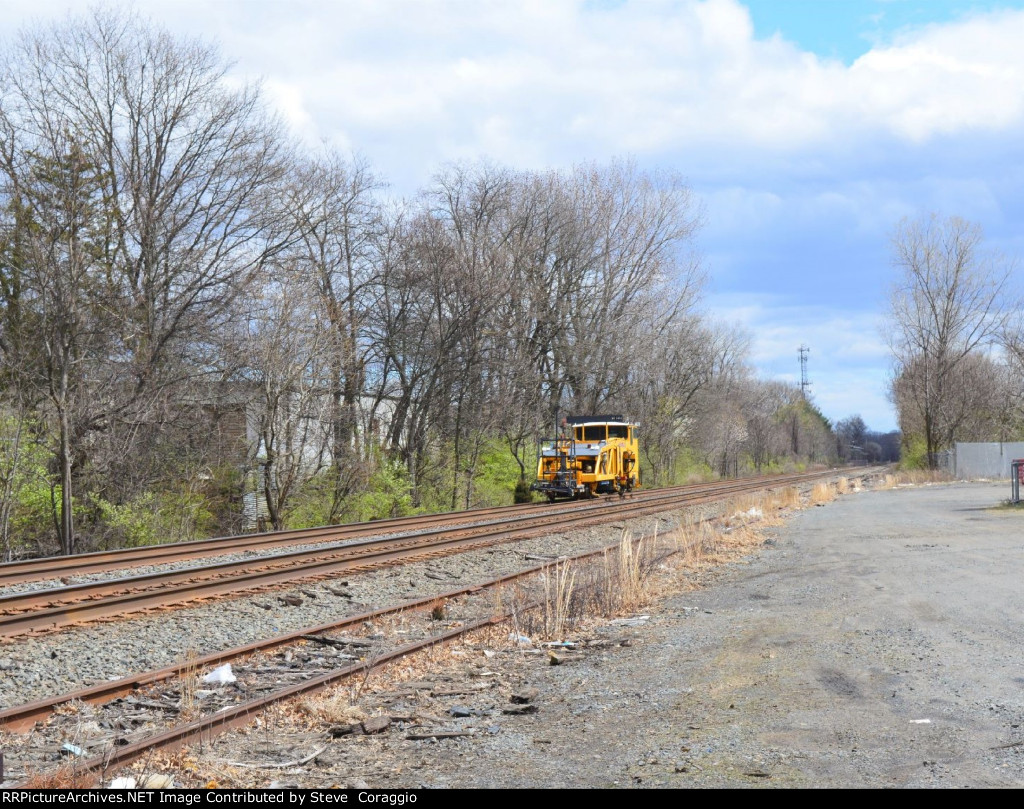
[
  {"x": 333, "y": 708},
  {"x": 560, "y": 606},
  {"x": 569, "y": 593},
  {"x": 822, "y": 493},
  {"x": 693, "y": 542},
  {"x": 921, "y": 477},
  {"x": 887, "y": 482},
  {"x": 788, "y": 498},
  {"x": 758, "y": 507},
  {"x": 629, "y": 575},
  {"x": 189, "y": 707},
  {"x": 67, "y": 776}
]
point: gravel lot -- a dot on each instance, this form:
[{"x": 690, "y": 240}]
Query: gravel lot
[{"x": 872, "y": 642}]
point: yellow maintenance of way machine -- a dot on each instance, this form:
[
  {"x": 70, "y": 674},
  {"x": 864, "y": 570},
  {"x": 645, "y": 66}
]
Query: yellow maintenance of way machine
[{"x": 592, "y": 455}]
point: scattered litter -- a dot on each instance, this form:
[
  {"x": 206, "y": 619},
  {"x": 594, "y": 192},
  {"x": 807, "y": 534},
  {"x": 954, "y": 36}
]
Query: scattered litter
[
  {"x": 565, "y": 644},
  {"x": 122, "y": 783},
  {"x": 157, "y": 781},
  {"x": 68, "y": 749},
  {"x": 221, "y": 674},
  {"x": 920, "y": 721},
  {"x": 489, "y": 653},
  {"x": 522, "y": 640}
]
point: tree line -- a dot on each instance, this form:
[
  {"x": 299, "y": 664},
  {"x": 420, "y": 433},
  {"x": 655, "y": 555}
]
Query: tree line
[{"x": 197, "y": 310}]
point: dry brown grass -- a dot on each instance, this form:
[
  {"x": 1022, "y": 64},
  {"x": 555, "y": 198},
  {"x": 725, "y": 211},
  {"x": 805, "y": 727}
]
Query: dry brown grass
[
  {"x": 691, "y": 542},
  {"x": 912, "y": 477},
  {"x": 843, "y": 486},
  {"x": 745, "y": 502},
  {"x": 189, "y": 683},
  {"x": 66, "y": 776},
  {"x": 631, "y": 577},
  {"x": 757, "y": 507},
  {"x": 558, "y": 602},
  {"x": 742, "y": 538},
  {"x": 332, "y": 708},
  {"x": 789, "y": 498},
  {"x": 922, "y": 477},
  {"x": 822, "y": 493}
]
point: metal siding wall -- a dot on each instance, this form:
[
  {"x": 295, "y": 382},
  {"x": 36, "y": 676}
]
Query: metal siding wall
[{"x": 988, "y": 460}]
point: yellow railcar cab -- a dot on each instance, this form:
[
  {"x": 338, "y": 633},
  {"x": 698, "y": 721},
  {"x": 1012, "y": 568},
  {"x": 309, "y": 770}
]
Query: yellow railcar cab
[{"x": 591, "y": 455}]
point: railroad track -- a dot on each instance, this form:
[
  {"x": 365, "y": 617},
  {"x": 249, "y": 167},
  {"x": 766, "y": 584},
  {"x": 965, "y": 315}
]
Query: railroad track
[
  {"x": 54, "y": 567},
  {"x": 142, "y": 696},
  {"x": 77, "y": 565},
  {"x": 129, "y": 747},
  {"x": 53, "y": 608}
]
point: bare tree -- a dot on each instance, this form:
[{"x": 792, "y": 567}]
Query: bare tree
[
  {"x": 288, "y": 363},
  {"x": 339, "y": 222},
  {"x": 950, "y": 301},
  {"x": 851, "y": 433},
  {"x": 977, "y": 405},
  {"x": 54, "y": 335},
  {"x": 676, "y": 378},
  {"x": 163, "y": 178}
]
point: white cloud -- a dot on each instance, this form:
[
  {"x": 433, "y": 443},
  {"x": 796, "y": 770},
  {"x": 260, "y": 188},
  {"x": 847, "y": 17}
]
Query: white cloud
[
  {"x": 848, "y": 361},
  {"x": 563, "y": 80}
]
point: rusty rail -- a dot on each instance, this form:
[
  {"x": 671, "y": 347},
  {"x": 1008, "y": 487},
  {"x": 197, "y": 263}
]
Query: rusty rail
[{"x": 52, "y": 608}]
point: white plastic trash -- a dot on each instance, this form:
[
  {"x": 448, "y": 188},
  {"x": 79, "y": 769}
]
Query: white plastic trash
[{"x": 221, "y": 674}]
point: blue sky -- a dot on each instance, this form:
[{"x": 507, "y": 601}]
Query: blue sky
[
  {"x": 807, "y": 128},
  {"x": 847, "y": 29}
]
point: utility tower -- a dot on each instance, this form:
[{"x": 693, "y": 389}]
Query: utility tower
[{"x": 804, "y": 382}]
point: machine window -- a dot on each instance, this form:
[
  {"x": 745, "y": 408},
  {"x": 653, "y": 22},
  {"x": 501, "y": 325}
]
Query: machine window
[
  {"x": 594, "y": 432},
  {"x": 618, "y": 431}
]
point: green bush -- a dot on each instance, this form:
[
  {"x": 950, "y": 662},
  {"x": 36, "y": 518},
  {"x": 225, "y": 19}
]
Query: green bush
[
  {"x": 497, "y": 480},
  {"x": 24, "y": 461},
  {"x": 153, "y": 519},
  {"x": 914, "y": 453},
  {"x": 386, "y": 494}
]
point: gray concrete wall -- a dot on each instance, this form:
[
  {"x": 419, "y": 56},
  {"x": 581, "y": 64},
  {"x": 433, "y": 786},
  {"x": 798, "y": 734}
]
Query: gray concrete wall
[{"x": 988, "y": 460}]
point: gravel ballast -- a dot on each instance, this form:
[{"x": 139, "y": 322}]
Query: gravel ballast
[{"x": 873, "y": 642}]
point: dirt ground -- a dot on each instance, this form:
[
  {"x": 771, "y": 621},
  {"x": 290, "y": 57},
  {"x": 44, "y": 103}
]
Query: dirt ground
[{"x": 872, "y": 642}]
